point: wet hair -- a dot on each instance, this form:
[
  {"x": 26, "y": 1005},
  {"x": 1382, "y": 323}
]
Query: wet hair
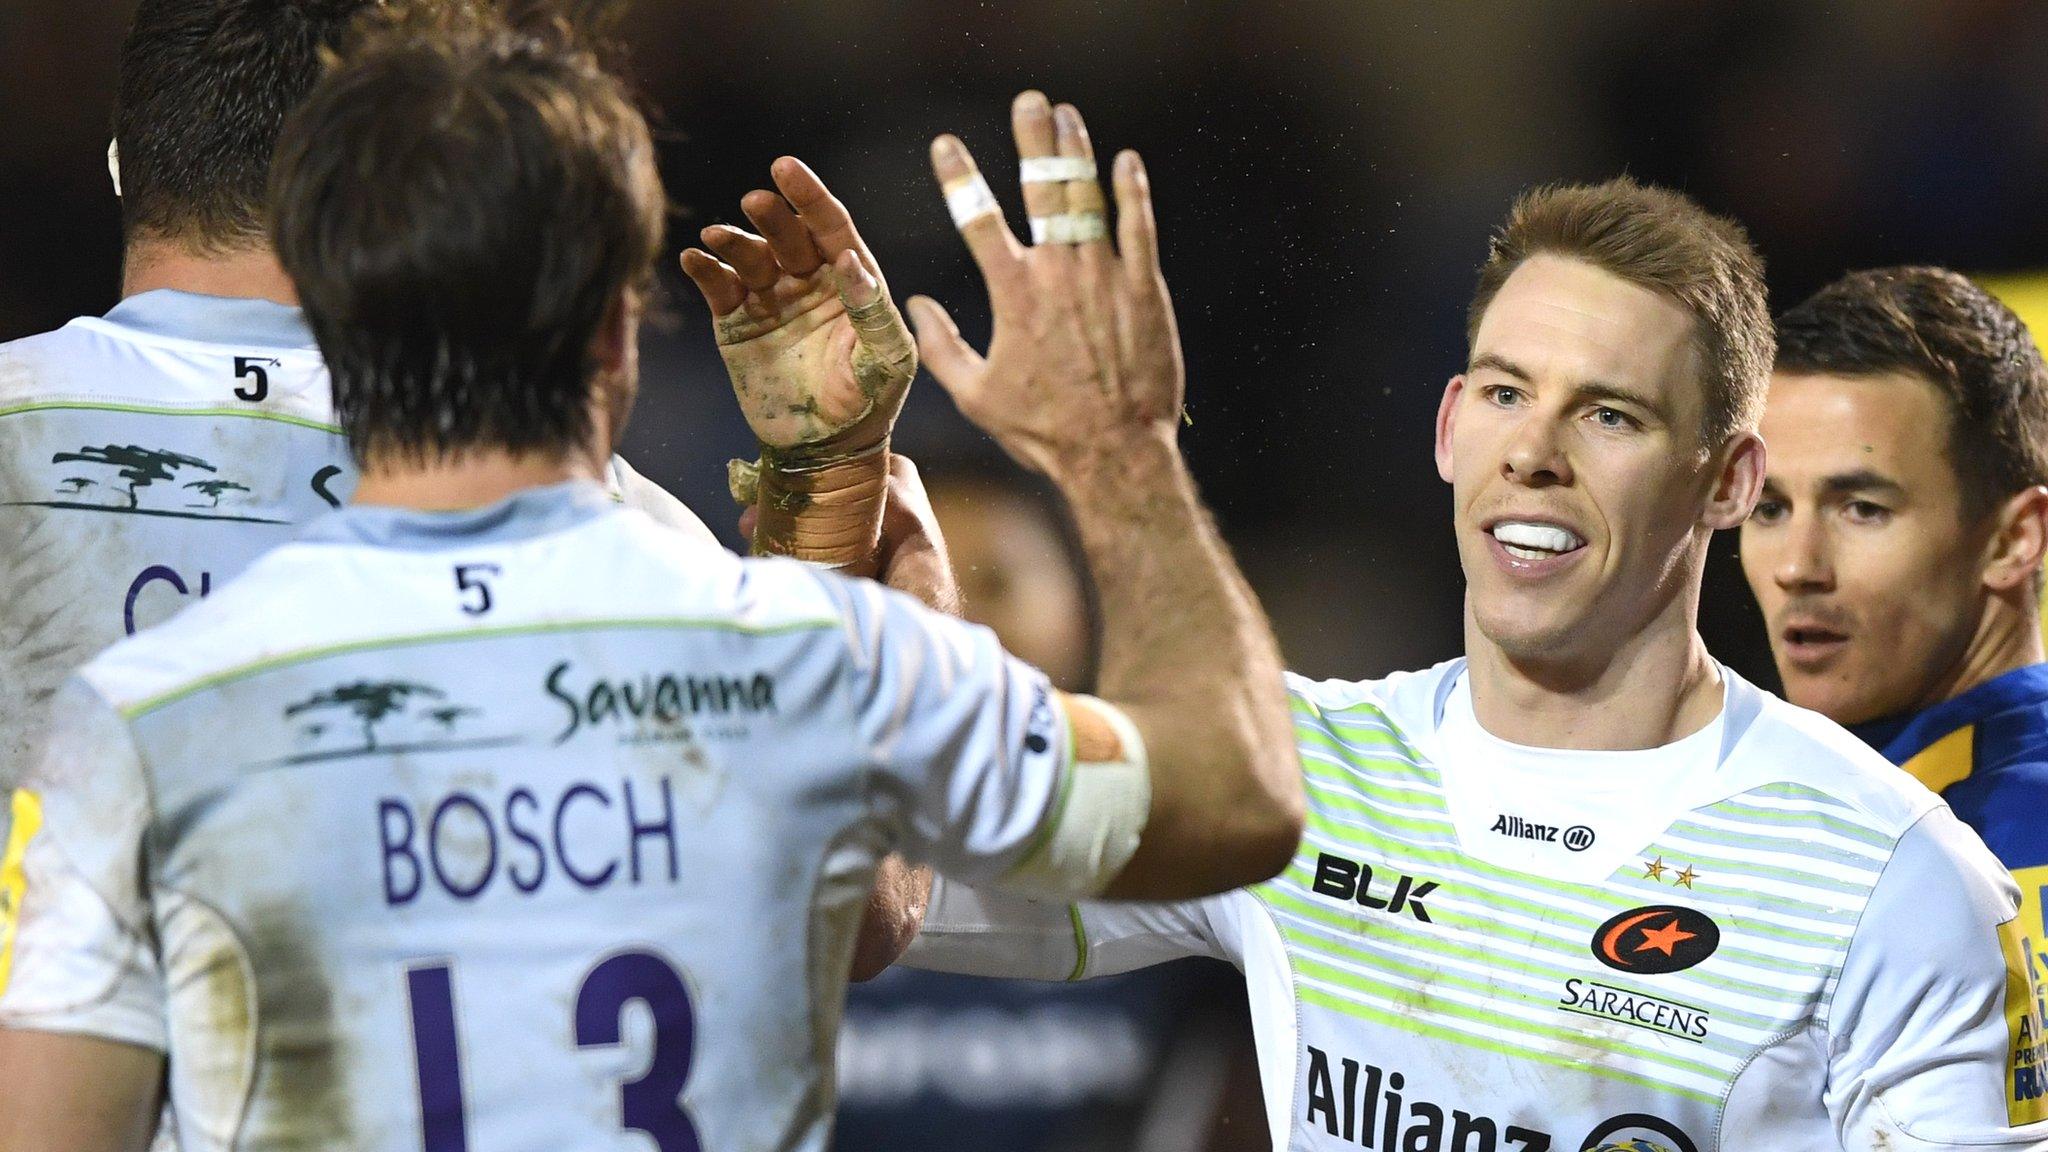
[
  {"x": 205, "y": 86},
  {"x": 1663, "y": 241},
  {"x": 1940, "y": 327},
  {"x": 462, "y": 201}
]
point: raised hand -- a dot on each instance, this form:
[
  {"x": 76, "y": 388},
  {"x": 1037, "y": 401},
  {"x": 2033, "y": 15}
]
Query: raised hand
[
  {"x": 809, "y": 335},
  {"x": 819, "y": 359},
  {"x": 1084, "y": 349}
]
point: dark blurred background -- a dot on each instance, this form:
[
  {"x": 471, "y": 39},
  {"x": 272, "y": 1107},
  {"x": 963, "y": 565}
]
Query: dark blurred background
[{"x": 1326, "y": 174}]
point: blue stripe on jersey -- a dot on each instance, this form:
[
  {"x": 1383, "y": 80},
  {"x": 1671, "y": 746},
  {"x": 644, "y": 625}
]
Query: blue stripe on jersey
[{"x": 2003, "y": 788}]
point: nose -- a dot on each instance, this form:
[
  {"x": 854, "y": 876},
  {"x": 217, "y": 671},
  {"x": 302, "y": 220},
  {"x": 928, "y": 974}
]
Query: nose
[
  {"x": 1805, "y": 565},
  {"x": 1535, "y": 453}
]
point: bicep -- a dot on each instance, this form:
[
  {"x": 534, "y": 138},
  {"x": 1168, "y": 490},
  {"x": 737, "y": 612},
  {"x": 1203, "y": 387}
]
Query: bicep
[{"x": 78, "y": 1093}]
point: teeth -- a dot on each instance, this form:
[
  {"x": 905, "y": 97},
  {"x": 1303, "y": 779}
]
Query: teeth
[{"x": 1532, "y": 541}]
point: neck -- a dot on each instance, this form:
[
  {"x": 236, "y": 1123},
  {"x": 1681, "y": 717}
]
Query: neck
[
  {"x": 471, "y": 480},
  {"x": 1658, "y": 686},
  {"x": 249, "y": 272},
  {"x": 2008, "y": 638}
]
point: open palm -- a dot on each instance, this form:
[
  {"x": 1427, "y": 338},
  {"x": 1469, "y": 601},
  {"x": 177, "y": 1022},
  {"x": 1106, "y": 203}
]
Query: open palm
[{"x": 816, "y": 350}]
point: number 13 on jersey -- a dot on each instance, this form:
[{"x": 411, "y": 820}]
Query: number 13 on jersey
[{"x": 651, "y": 1104}]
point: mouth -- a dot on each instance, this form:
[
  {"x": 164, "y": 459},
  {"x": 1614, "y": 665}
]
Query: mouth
[
  {"x": 1809, "y": 646},
  {"x": 1534, "y": 541}
]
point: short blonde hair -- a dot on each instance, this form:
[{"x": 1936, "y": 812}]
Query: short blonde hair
[{"x": 1665, "y": 242}]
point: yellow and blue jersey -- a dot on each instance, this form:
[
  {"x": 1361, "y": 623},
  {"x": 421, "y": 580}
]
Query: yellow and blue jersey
[{"x": 1986, "y": 753}]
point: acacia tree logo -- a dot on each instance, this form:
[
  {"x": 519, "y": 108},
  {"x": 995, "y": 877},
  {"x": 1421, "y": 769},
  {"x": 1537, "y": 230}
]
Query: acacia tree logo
[
  {"x": 139, "y": 466},
  {"x": 215, "y": 489},
  {"x": 370, "y": 700}
]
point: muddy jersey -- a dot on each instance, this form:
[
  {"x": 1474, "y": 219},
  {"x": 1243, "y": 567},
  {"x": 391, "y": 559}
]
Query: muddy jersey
[
  {"x": 148, "y": 456},
  {"x": 1759, "y": 938},
  {"x": 535, "y": 827}
]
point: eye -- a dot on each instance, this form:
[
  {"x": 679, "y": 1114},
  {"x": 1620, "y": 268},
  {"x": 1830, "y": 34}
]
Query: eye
[
  {"x": 1767, "y": 512},
  {"x": 1866, "y": 512},
  {"x": 1612, "y": 418},
  {"x": 1502, "y": 395}
]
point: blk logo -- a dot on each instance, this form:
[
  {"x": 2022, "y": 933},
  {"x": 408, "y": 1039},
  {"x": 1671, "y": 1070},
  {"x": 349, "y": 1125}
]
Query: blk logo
[
  {"x": 1349, "y": 880},
  {"x": 1655, "y": 939}
]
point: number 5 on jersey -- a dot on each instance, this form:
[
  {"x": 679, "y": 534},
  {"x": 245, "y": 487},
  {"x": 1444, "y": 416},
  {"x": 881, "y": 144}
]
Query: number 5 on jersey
[{"x": 651, "y": 1104}]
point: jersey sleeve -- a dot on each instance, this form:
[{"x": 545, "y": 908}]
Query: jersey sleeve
[
  {"x": 968, "y": 745},
  {"x": 978, "y": 932},
  {"x": 75, "y": 952},
  {"x": 1934, "y": 1026}
]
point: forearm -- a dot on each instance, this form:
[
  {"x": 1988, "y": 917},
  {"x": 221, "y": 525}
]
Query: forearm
[
  {"x": 1187, "y": 654},
  {"x": 77, "y": 1093}
]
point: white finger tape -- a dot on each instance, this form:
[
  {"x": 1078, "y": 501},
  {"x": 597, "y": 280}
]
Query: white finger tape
[
  {"x": 1051, "y": 169},
  {"x": 1068, "y": 228},
  {"x": 968, "y": 199}
]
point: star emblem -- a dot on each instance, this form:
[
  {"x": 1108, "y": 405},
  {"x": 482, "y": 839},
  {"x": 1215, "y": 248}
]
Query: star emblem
[
  {"x": 1653, "y": 869},
  {"x": 1685, "y": 876},
  {"x": 1664, "y": 939}
]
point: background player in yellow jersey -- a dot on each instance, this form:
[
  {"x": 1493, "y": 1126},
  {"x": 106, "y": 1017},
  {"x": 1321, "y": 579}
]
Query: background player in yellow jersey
[{"x": 1897, "y": 548}]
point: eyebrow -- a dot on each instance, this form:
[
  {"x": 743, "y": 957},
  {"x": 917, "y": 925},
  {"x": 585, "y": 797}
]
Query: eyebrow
[
  {"x": 1861, "y": 480},
  {"x": 1585, "y": 389},
  {"x": 1839, "y": 483}
]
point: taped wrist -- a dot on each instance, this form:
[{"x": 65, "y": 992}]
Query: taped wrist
[
  {"x": 822, "y": 510},
  {"x": 1100, "y": 815}
]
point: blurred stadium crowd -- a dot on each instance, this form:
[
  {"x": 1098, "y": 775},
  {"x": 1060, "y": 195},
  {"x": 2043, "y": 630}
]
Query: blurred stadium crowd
[{"x": 1326, "y": 171}]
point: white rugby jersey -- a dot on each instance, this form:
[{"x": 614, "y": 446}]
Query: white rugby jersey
[
  {"x": 535, "y": 827},
  {"x": 145, "y": 458},
  {"x": 1761, "y": 938}
]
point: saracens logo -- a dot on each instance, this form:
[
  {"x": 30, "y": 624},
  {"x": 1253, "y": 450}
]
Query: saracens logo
[{"x": 1655, "y": 939}]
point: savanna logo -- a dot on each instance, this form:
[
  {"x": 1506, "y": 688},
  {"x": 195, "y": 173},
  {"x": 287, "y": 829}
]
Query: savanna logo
[
  {"x": 367, "y": 717},
  {"x": 1656, "y": 939},
  {"x": 1637, "y": 1132},
  {"x": 654, "y": 706},
  {"x": 131, "y": 480}
]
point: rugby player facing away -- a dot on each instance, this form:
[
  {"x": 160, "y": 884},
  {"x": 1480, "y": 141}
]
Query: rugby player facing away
[
  {"x": 148, "y": 455},
  {"x": 491, "y": 815},
  {"x": 1896, "y": 553},
  {"x": 1584, "y": 888}
]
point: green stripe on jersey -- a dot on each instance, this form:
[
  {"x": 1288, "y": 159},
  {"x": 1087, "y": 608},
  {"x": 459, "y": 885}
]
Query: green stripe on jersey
[{"x": 161, "y": 410}]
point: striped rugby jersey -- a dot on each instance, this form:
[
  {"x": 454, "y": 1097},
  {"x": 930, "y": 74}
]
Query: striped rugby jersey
[{"x": 1780, "y": 942}]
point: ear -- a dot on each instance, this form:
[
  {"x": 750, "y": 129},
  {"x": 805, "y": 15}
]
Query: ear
[
  {"x": 614, "y": 344},
  {"x": 1740, "y": 482},
  {"x": 2019, "y": 540},
  {"x": 1446, "y": 422}
]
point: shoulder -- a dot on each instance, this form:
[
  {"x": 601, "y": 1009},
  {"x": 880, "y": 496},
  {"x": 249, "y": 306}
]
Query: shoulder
[
  {"x": 34, "y": 365},
  {"x": 1805, "y": 755},
  {"x": 326, "y": 595},
  {"x": 1405, "y": 702}
]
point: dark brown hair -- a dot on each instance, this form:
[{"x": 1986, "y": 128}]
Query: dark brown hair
[
  {"x": 204, "y": 87},
  {"x": 461, "y": 202},
  {"x": 1936, "y": 325},
  {"x": 1662, "y": 241}
]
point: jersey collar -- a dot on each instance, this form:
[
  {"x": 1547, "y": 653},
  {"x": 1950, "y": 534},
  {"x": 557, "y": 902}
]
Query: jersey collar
[
  {"x": 214, "y": 319},
  {"x": 1901, "y": 738},
  {"x": 524, "y": 515},
  {"x": 1417, "y": 705}
]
